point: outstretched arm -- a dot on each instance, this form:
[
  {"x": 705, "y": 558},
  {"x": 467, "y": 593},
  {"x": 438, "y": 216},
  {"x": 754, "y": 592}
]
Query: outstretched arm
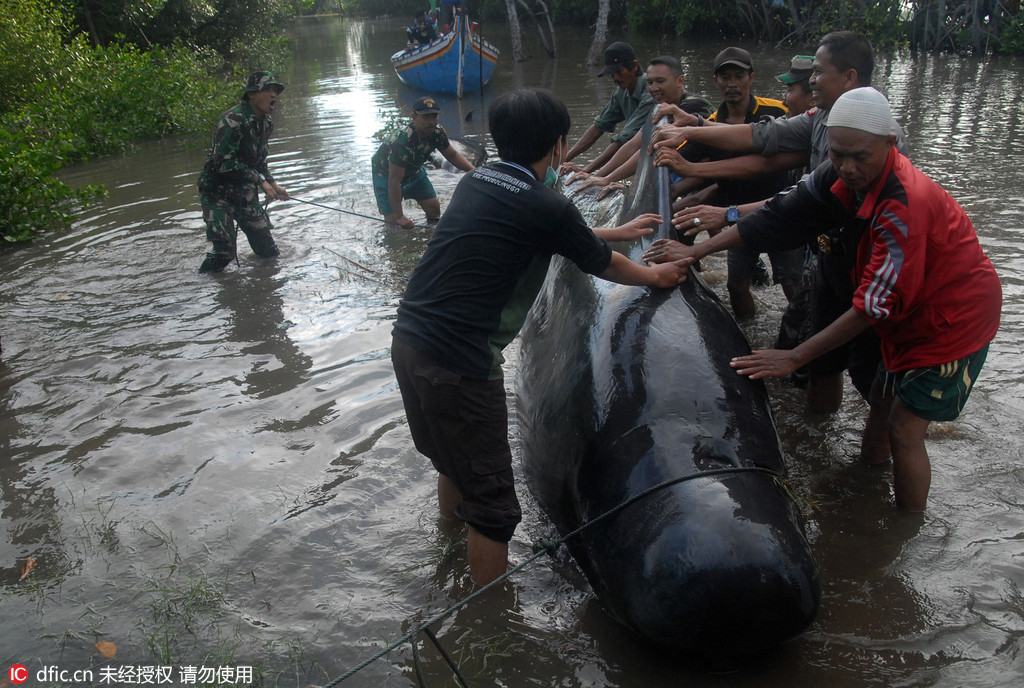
[
  {"x": 779, "y": 363},
  {"x": 625, "y": 271},
  {"x": 589, "y": 138},
  {"x": 458, "y": 159}
]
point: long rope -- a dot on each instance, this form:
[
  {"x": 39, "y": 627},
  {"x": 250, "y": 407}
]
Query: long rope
[
  {"x": 540, "y": 548},
  {"x": 352, "y": 212}
]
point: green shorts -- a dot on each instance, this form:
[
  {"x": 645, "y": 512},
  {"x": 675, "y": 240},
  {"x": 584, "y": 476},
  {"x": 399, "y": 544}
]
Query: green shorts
[
  {"x": 940, "y": 392},
  {"x": 418, "y": 188}
]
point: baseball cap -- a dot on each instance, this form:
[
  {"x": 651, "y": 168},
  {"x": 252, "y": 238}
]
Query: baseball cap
[
  {"x": 260, "y": 81},
  {"x": 424, "y": 105},
  {"x": 733, "y": 56},
  {"x": 799, "y": 69},
  {"x": 617, "y": 55}
]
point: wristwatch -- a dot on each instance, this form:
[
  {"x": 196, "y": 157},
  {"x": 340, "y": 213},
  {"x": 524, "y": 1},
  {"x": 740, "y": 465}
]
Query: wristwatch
[{"x": 732, "y": 214}]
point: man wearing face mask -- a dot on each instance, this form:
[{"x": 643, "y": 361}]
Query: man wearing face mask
[{"x": 468, "y": 298}]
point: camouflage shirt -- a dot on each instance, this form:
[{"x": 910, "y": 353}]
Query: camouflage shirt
[
  {"x": 406, "y": 149},
  {"x": 239, "y": 147}
]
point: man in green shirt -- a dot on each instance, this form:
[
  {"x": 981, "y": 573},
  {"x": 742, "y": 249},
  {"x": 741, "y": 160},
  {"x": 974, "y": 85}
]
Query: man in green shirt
[
  {"x": 631, "y": 102},
  {"x": 398, "y": 164}
]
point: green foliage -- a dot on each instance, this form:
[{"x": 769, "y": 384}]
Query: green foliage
[
  {"x": 1012, "y": 39},
  {"x": 31, "y": 198},
  {"x": 34, "y": 52},
  {"x": 232, "y": 28},
  {"x": 83, "y": 102},
  {"x": 880, "y": 21},
  {"x": 393, "y": 122}
]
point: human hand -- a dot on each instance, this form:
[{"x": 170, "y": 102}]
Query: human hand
[
  {"x": 665, "y": 250},
  {"x": 767, "y": 363},
  {"x": 593, "y": 180},
  {"x": 680, "y": 118},
  {"x": 610, "y": 189},
  {"x": 671, "y": 158},
  {"x": 279, "y": 192},
  {"x": 567, "y": 167},
  {"x": 641, "y": 225},
  {"x": 577, "y": 176},
  {"x": 699, "y": 218},
  {"x": 669, "y": 137},
  {"x": 672, "y": 273}
]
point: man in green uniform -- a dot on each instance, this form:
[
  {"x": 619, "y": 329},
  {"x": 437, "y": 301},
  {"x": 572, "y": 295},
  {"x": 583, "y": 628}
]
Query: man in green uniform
[
  {"x": 235, "y": 170},
  {"x": 631, "y": 102},
  {"x": 398, "y": 164}
]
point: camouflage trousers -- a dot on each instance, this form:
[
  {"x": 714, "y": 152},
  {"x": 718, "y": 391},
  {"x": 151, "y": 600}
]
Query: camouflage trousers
[{"x": 223, "y": 208}]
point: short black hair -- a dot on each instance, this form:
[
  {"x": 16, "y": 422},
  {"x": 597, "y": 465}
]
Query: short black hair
[
  {"x": 850, "y": 50},
  {"x": 527, "y": 123},
  {"x": 672, "y": 63}
]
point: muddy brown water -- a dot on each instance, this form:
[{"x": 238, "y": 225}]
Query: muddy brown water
[{"x": 216, "y": 470}]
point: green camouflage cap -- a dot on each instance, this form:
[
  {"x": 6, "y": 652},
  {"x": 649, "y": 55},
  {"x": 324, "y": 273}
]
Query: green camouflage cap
[
  {"x": 260, "y": 81},
  {"x": 799, "y": 69}
]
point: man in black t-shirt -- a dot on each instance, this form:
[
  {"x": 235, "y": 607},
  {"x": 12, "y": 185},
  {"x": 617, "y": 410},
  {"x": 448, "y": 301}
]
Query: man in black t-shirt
[{"x": 469, "y": 296}]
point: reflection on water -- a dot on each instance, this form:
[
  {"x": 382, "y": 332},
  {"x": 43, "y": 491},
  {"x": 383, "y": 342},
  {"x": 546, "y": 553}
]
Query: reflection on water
[{"x": 163, "y": 432}]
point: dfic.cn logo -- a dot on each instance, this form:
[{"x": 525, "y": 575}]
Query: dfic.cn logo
[{"x": 18, "y": 674}]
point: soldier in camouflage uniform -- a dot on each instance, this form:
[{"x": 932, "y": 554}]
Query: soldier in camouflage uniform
[
  {"x": 398, "y": 164},
  {"x": 235, "y": 170}
]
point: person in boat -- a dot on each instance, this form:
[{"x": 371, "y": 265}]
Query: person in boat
[
  {"x": 733, "y": 72},
  {"x": 631, "y": 102},
  {"x": 397, "y": 166},
  {"x": 421, "y": 32},
  {"x": 468, "y": 298},
  {"x": 922, "y": 280},
  {"x": 235, "y": 172},
  {"x": 844, "y": 60},
  {"x": 666, "y": 84}
]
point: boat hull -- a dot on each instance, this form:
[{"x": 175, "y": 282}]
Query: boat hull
[
  {"x": 624, "y": 388},
  {"x": 437, "y": 67}
]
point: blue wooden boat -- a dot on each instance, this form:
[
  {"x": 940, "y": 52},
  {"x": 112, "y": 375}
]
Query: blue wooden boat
[
  {"x": 458, "y": 62},
  {"x": 623, "y": 389}
]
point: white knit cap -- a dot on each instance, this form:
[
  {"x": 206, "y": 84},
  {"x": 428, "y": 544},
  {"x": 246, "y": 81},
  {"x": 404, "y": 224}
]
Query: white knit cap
[{"x": 865, "y": 109}]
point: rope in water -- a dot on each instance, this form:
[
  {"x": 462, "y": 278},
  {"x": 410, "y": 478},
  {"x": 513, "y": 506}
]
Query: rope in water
[
  {"x": 352, "y": 212},
  {"x": 540, "y": 548}
]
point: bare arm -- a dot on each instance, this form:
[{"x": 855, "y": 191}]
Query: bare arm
[
  {"x": 589, "y": 138},
  {"x": 730, "y": 137},
  {"x": 634, "y": 229},
  {"x": 458, "y": 159},
  {"x": 779, "y": 363},
  {"x": 742, "y": 167},
  {"x": 605, "y": 156},
  {"x": 625, "y": 271},
  {"x": 395, "y": 174},
  {"x": 624, "y": 153},
  {"x": 664, "y": 250}
]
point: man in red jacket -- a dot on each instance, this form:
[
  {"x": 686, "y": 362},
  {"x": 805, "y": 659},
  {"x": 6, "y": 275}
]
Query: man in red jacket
[{"x": 923, "y": 281}]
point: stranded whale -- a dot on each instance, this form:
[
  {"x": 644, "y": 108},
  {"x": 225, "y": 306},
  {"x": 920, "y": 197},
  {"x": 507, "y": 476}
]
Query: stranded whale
[{"x": 624, "y": 388}]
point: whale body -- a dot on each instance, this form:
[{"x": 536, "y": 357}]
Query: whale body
[{"x": 622, "y": 389}]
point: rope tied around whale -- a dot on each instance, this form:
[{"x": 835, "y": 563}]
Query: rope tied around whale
[{"x": 541, "y": 547}]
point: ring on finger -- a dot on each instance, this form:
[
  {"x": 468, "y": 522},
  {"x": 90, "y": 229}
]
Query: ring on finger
[{"x": 696, "y": 222}]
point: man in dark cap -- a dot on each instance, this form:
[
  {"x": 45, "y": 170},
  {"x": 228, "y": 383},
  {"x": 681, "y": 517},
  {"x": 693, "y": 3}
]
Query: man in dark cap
[
  {"x": 734, "y": 76},
  {"x": 397, "y": 166},
  {"x": 235, "y": 171},
  {"x": 631, "y": 102}
]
